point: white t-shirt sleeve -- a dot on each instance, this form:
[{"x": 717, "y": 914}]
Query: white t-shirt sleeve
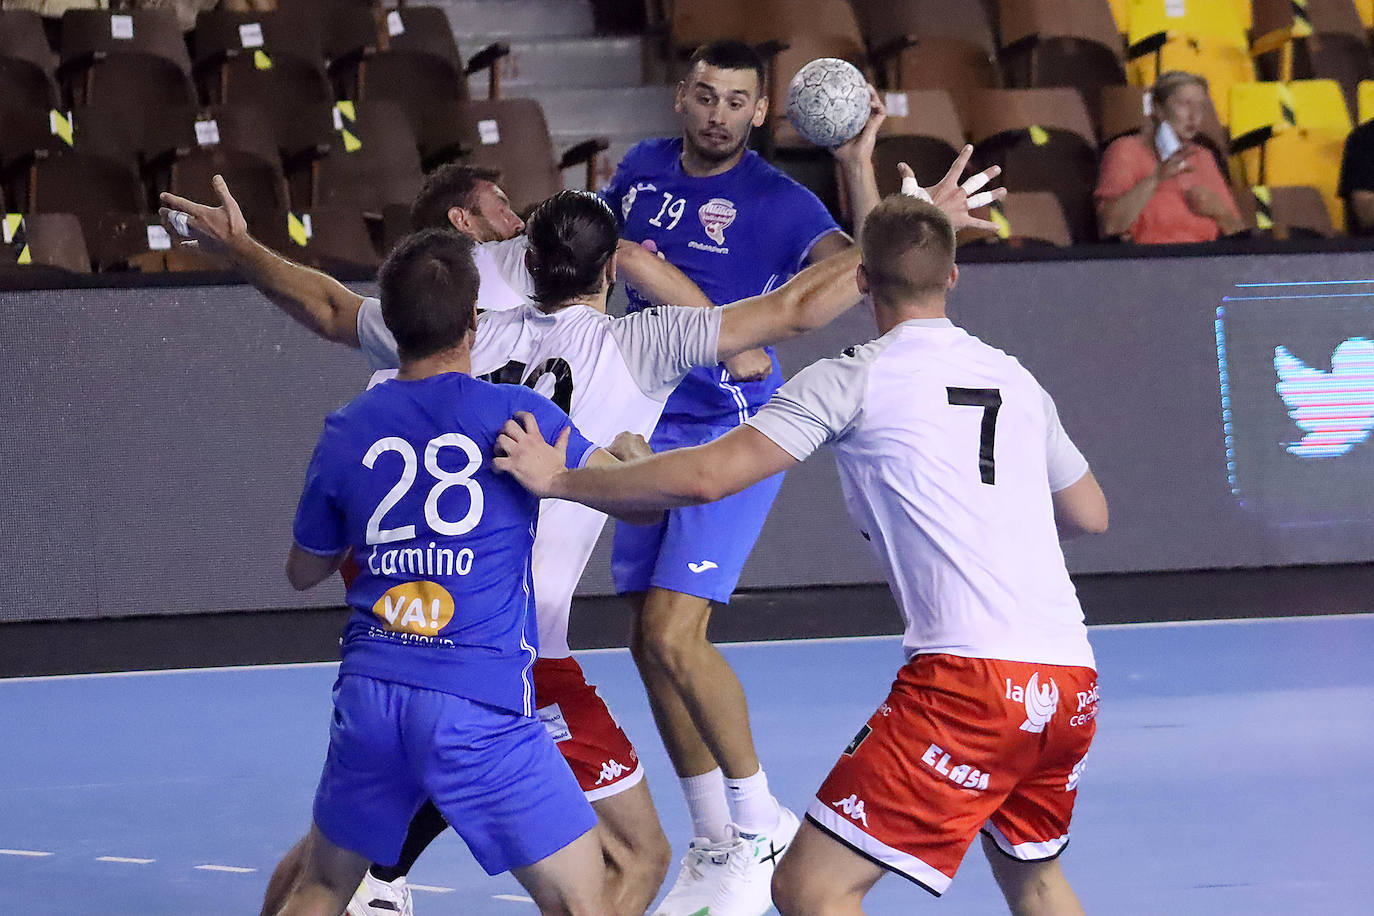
[
  {"x": 1065, "y": 462},
  {"x": 504, "y": 280},
  {"x": 820, "y": 404},
  {"x": 662, "y": 344},
  {"x": 378, "y": 344}
]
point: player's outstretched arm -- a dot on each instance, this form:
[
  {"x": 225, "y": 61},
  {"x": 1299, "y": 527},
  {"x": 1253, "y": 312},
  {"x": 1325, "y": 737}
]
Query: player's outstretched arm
[
  {"x": 1081, "y": 508},
  {"x": 315, "y": 299},
  {"x": 958, "y": 199},
  {"x": 656, "y": 279},
  {"x": 306, "y": 570},
  {"x": 682, "y": 477},
  {"x": 812, "y": 299}
]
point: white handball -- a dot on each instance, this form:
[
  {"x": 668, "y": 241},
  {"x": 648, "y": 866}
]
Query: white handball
[{"x": 827, "y": 101}]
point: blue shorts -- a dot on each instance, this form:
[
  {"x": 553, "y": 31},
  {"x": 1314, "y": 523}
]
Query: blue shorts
[
  {"x": 696, "y": 550},
  {"x": 496, "y": 776}
]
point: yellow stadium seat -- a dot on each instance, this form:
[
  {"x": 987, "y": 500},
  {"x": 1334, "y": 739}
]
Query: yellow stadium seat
[
  {"x": 1200, "y": 36},
  {"x": 1291, "y": 135},
  {"x": 1122, "y": 14},
  {"x": 1366, "y": 10},
  {"x": 1366, "y": 101}
]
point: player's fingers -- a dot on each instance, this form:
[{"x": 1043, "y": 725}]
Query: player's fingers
[
  {"x": 563, "y": 437},
  {"x": 231, "y": 206},
  {"x": 971, "y": 223},
  {"x": 173, "y": 202},
  {"x": 528, "y": 423},
  {"x": 984, "y": 198},
  {"x": 905, "y": 171},
  {"x": 512, "y": 430},
  {"x": 177, "y": 222},
  {"x": 980, "y": 181},
  {"x": 960, "y": 163}
]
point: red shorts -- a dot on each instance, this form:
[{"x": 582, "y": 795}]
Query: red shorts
[
  {"x": 600, "y": 754},
  {"x": 962, "y": 745}
]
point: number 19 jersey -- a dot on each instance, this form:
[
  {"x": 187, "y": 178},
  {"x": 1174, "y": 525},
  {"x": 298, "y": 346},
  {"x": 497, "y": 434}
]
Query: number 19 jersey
[
  {"x": 444, "y": 597},
  {"x": 948, "y": 452}
]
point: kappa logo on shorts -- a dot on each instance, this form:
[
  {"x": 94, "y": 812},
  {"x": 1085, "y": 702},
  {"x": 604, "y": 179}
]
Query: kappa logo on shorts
[
  {"x": 1040, "y": 701},
  {"x": 853, "y": 808},
  {"x": 611, "y": 771},
  {"x": 703, "y": 566}
]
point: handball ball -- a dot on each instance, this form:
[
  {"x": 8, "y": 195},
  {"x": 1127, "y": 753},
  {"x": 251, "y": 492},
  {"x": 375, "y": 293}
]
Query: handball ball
[{"x": 827, "y": 101}]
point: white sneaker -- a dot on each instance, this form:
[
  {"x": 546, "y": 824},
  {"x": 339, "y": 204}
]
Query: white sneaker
[
  {"x": 702, "y": 869},
  {"x": 375, "y": 897},
  {"x": 746, "y": 887}
]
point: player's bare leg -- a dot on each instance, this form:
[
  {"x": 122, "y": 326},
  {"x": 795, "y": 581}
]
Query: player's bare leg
[
  {"x": 571, "y": 882},
  {"x": 637, "y": 853},
  {"x": 284, "y": 877},
  {"x": 329, "y": 875},
  {"x": 1032, "y": 888},
  {"x": 819, "y": 876}
]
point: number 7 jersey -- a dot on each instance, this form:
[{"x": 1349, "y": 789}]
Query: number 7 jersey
[{"x": 948, "y": 452}]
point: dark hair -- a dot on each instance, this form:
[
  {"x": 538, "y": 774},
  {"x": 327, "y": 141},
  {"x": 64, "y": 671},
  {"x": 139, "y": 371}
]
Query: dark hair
[
  {"x": 572, "y": 235},
  {"x": 728, "y": 54},
  {"x": 429, "y": 292},
  {"x": 448, "y": 186},
  {"x": 908, "y": 249}
]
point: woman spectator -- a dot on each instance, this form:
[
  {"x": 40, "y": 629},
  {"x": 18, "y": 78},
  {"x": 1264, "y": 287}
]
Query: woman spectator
[{"x": 1162, "y": 185}]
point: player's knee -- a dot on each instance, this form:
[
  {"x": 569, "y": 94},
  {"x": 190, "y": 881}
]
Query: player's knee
[{"x": 791, "y": 896}]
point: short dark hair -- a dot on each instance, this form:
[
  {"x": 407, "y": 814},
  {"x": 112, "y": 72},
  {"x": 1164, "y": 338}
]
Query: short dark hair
[
  {"x": 450, "y": 185},
  {"x": 908, "y": 249},
  {"x": 429, "y": 292},
  {"x": 572, "y": 235},
  {"x": 729, "y": 54}
]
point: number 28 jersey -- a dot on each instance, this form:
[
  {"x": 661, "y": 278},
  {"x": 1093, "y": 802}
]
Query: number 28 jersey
[
  {"x": 948, "y": 452},
  {"x": 444, "y": 596}
]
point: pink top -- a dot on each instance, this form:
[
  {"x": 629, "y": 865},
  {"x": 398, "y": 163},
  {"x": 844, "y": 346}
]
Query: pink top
[{"x": 1166, "y": 218}]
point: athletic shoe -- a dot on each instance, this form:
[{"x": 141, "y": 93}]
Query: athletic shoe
[
  {"x": 746, "y": 887},
  {"x": 702, "y": 869},
  {"x": 375, "y": 897}
]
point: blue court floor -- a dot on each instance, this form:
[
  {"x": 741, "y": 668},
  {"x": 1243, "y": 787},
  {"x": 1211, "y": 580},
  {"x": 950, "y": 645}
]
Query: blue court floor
[{"x": 1231, "y": 775}]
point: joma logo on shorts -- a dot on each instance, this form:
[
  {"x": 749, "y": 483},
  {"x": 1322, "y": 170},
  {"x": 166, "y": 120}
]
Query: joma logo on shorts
[{"x": 961, "y": 775}]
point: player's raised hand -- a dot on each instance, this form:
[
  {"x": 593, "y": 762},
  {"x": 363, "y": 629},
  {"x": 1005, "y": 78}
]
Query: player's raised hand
[
  {"x": 522, "y": 453},
  {"x": 215, "y": 230},
  {"x": 628, "y": 446},
  {"x": 859, "y": 148},
  {"x": 957, "y": 199},
  {"x": 749, "y": 366}
]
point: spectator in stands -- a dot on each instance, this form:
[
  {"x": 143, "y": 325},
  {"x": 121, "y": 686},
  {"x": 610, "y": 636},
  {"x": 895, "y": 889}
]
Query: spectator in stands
[
  {"x": 1163, "y": 185},
  {"x": 1357, "y": 180}
]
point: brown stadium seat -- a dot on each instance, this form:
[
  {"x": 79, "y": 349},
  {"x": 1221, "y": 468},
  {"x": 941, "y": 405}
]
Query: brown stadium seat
[
  {"x": 1322, "y": 39},
  {"x": 132, "y": 62},
  {"x": 514, "y": 138},
  {"x": 331, "y": 239},
  {"x": 1294, "y": 211},
  {"x": 951, "y": 64},
  {"x": 373, "y": 162},
  {"x": 28, "y": 66},
  {"x": 1023, "y": 219},
  {"x": 927, "y": 138},
  {"x": 1044, "y": 141},
  {"x": 45, "y": 240},
  {"x": 1061, "y": 43},
  {"x": 889, "y": 26}
]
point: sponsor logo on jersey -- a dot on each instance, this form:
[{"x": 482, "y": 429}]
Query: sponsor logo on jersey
[
  {"x": 1087, "y": 699},
  {"x": 611, "y": 771},
  {"x": 420, "y": 608},
  {"x": 716, "y": 215},
  {"x": 1078, "y": 769},
  {"x": 961, "y": 774},
  {"x": 1040, "y": 701},
  {"x": 853, "y": 808},
  {"x": 703, "y": 566}
]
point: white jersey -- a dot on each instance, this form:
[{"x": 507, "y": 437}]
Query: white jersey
[
  {"x": 609, "y": 374},
  {"x": 503, "y": 280},
  {"x": 948, "y": 452}
]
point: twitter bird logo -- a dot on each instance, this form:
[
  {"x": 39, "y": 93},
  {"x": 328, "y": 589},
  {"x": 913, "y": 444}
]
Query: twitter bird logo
[{"x": 1335, "y": 410}]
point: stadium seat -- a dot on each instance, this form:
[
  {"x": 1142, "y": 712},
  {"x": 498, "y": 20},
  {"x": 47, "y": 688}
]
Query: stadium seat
[
  {"x": 1365, "y": 10},
  {"x": 514, "y": 138},
  {"x": 331, "y": 239},
  {"x": 927, "y": 138},
  {"x": 1060, "y": 43},
  {"x": 44, "y": 240},
  {"x": 1025, "y": 218},
  {"x": 1286, "y": 211},
  {"x": 28, "y": 66},
  {"x": 1208, "y": 39},
  {"x": 1291, "y": 134},
  {"x": 889, "y": 26},
  {"x": 1321, "y": 39},
  {"x": 950, "y": 64},
  {"x": 1366, "y": 101},
  {"x": 1044, "y": 141},
  {"x": 373, "y": 162}
]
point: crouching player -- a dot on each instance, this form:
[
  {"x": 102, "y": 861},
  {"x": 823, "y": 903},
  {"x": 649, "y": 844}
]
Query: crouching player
[
  {"x": 956, "y": 467},
  {"x": 435, "y": 697}
]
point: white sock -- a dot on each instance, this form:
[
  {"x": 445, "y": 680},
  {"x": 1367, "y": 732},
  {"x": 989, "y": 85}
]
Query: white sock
[
  {"x": 705, "y": 796},
  {"x": 752, "y": 806}
]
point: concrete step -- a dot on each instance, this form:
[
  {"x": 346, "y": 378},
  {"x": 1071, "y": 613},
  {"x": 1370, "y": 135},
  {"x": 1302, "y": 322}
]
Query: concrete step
[
  {"x": 628, "y": 111},
  {"x": 563, "y": 63},
  {"x": 517, "y": 18}
]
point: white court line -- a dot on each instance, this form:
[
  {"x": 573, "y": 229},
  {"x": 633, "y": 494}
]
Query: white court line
[
  {"x": 125, "y": 860},
  {"x": 513, "y": 898},
  {"x": 232, "y": 869},
  {"x": 431, "y": 888},
  {"x": 823, "y": 640},
  {"x": 1307, "y": 283},
  {"x": 31, "y": 853}
]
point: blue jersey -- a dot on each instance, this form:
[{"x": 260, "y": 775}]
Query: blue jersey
[
  {"x": 444, "y": 598},
  {"x": 736, "y": 235}
]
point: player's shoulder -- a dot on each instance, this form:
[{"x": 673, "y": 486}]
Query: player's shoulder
[{"x": 652, "y": 155}]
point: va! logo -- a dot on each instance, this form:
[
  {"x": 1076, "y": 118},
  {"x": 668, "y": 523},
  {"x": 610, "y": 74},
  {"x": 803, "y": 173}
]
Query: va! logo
[
  {"x": 1335, "y": 410},
  {"x": 1040, "y": 702}
]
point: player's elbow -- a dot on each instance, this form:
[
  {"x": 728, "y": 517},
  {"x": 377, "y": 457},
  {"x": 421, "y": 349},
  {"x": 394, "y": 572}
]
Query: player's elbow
[
  {"x": 703, "y": 486},
  {"x": 1096, "y": 522}
]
